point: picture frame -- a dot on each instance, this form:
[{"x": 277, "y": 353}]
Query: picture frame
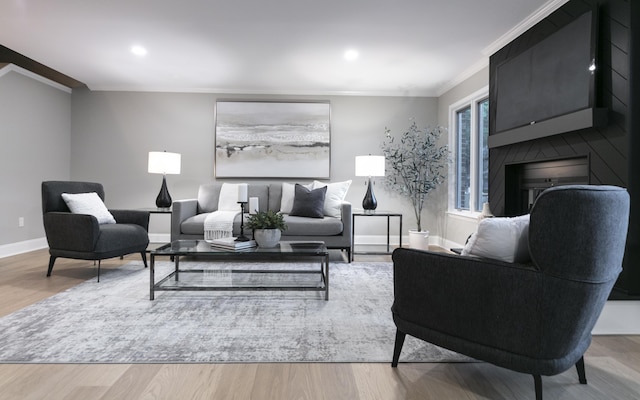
[{"x": 272, "y": 139}]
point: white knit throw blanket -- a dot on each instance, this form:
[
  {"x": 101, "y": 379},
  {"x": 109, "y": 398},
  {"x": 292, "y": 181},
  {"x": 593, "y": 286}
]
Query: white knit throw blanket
[{"x": 219, "y": 224}]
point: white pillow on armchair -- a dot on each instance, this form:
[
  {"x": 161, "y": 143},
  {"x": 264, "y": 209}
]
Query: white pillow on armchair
[
  {"x": 505, "y": 239},
  {"x": 88, "y": 203}
]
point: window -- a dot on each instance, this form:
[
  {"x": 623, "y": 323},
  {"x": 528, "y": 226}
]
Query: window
[{"x": 468, "y": 133}]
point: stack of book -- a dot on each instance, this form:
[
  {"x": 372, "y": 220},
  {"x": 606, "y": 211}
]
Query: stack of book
[{"x": 230, "y": 243}]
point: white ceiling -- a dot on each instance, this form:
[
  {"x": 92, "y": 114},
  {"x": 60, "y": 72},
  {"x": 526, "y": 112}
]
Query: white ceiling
[{"x": 406, "y": 47}]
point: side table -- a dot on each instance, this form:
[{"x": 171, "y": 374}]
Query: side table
[
  {"x": 388, "y": 215},
  {"x": 156, "y": 210}
]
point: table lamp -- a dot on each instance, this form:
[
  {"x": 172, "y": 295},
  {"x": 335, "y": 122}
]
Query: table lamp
[
  {"x": 161, "y": 162},
  {"x": 369, "y": 166}
]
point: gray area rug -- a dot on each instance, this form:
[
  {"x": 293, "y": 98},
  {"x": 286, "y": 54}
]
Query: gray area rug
[{"x": 115, "y": 322}]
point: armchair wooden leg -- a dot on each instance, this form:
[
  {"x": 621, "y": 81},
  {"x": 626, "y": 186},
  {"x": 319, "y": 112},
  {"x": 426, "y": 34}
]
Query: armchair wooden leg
[
  {"x": 398, "y": 347},
  {"x": 144, "y": 258},
  {"x": 537, "y": 381},
  {"x": 98, "y": 270},
  {"x": 582, "y": 376},
  {"x": 52, "y": 260}
]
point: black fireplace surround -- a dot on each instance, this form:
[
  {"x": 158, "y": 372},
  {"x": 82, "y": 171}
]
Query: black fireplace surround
[{"x": 592, "y": 146}]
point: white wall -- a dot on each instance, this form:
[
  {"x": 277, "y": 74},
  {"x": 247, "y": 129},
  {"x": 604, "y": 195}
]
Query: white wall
[{"x": 35, "y": 120}]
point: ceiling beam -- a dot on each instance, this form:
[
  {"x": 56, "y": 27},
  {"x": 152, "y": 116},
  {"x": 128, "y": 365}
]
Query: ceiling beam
[{"x": 8, "y": 56}]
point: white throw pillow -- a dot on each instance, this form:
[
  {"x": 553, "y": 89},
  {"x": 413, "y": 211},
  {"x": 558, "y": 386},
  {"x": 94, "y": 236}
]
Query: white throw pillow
[
  {"x": 88, "y": 203},
  {"x": 228, "y": 200},
  {"x": 288, "y": 194},
  {"x": 505, "y": 239},
  {"x": 336, "y": 193}
]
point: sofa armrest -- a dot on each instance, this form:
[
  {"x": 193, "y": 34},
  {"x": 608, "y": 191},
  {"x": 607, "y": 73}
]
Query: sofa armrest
[
  {"x": 67, "y": 231},
  {"x": 346, "y": 218},
  {"x": 468, "y": 297},
  {"x": 182, "y": 209},
  {"x": 137, "y": 217}
]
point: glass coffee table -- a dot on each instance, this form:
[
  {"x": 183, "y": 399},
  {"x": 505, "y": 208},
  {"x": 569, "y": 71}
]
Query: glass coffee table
[{"x": 215, "y": 275}]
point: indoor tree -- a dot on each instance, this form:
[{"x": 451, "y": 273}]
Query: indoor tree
[{"x": 415, "y": 164}]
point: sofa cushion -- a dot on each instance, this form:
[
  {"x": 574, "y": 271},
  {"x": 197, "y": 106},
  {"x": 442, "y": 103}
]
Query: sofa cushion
[
  {"x": 336, "y": 193},
  {"x": 288, "y": 194},
  {"x": 308, "y": 202},
  {"x": 228, "y": 199},
  {"x": 195, "y": 225},
  {"x": 300, "y": 226},
  {"x": 208, "y": 195},
  {"x": 261, "y": 191}
]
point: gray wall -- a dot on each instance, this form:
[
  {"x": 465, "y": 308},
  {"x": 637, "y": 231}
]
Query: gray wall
[
  {"x": 35, "y": 129},
  {"x": 112, "y": 133},
  {"x": 106, "y": 137}
]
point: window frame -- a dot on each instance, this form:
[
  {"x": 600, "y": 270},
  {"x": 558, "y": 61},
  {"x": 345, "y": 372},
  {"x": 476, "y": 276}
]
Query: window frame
[{"x": 471, "y": 101}]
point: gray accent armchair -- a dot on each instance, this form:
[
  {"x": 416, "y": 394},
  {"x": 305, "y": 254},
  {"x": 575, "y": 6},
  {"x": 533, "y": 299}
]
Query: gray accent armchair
[
  {"x": 79, "y": 236},
  {"x": 534, "y": 318}
]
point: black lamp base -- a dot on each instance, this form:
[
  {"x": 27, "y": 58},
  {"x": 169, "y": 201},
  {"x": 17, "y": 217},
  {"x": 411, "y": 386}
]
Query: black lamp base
[
  {"x": 164, "y": 199},
  {"x": 369, "y": 202}
]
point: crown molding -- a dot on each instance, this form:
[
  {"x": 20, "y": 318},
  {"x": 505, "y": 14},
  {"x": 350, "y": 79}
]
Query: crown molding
[
  {"x": 282, "y": 92},
  {"x": 466, "y": 74},
  {"x": 540, "y": 14},
  {"x": 12, "y": 67}
]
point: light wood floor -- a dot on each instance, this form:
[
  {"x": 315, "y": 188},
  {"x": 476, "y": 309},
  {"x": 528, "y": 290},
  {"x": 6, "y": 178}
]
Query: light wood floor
[{"x": 612, "y": 364}]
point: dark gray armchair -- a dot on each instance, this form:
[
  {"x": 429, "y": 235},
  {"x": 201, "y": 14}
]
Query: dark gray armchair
[
  {"x": 534, "y": 318},
  {"x": 79, "y": 236}
]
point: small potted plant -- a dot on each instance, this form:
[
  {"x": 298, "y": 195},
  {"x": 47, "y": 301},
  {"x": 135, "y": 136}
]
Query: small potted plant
[
  {"x": 414, "y": 167},
  {"x": 267, "y": 227}
]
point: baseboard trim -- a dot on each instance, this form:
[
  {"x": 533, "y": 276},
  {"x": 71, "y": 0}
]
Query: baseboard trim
[
  {"x": 619, "y": 317},
  {"x": 375, "y": 240},
  {"x": 12, "y": 249},
  {"x": 159, "y": 237}
]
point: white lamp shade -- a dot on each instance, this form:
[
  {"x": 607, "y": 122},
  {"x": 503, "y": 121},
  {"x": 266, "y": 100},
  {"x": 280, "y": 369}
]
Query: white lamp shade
[
  {"x": 369, "y": 165},
  {"x": 161, "y": 162}
]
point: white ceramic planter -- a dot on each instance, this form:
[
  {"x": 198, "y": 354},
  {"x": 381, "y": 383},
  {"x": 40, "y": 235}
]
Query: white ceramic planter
[
  {"x": 419, "y": 239},
  {"x": 267, "y": 237}
]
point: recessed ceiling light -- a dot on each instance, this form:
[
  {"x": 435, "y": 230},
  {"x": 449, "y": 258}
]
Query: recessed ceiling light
[
  {"x": 138, "y": 50},
  {"x": 351, "y": 55}
]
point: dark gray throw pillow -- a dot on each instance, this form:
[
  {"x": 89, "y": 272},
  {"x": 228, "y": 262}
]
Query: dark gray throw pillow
[{"x": 308, "y": 203}]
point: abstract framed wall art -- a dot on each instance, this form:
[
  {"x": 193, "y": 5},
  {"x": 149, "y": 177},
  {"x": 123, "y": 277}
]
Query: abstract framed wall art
[{"x": 269, "y": 139}]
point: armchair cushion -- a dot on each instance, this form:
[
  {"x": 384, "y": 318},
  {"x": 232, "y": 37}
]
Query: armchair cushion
[
  {"x": 88, "y": 203},
  {"x": 505, "y": 239}
]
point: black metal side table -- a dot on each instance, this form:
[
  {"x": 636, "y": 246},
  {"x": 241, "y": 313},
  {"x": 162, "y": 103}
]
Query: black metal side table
[
  {"x": 156, "y": 210},
  {"x": 388, "y": 215}
]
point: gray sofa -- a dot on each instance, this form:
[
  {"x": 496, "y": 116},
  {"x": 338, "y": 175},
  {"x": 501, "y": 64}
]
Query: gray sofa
[{"x": 187, "y": 219}]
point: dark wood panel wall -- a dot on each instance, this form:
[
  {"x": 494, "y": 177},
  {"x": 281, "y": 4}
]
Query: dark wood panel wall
[{"x": 609, "y": 149}]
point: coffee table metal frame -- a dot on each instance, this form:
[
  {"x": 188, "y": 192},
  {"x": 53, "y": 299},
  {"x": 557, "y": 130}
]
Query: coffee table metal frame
[{"x": 284, "y": 252}]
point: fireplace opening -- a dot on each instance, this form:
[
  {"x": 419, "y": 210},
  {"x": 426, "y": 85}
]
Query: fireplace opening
[{"x": 525, "y": 181}]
